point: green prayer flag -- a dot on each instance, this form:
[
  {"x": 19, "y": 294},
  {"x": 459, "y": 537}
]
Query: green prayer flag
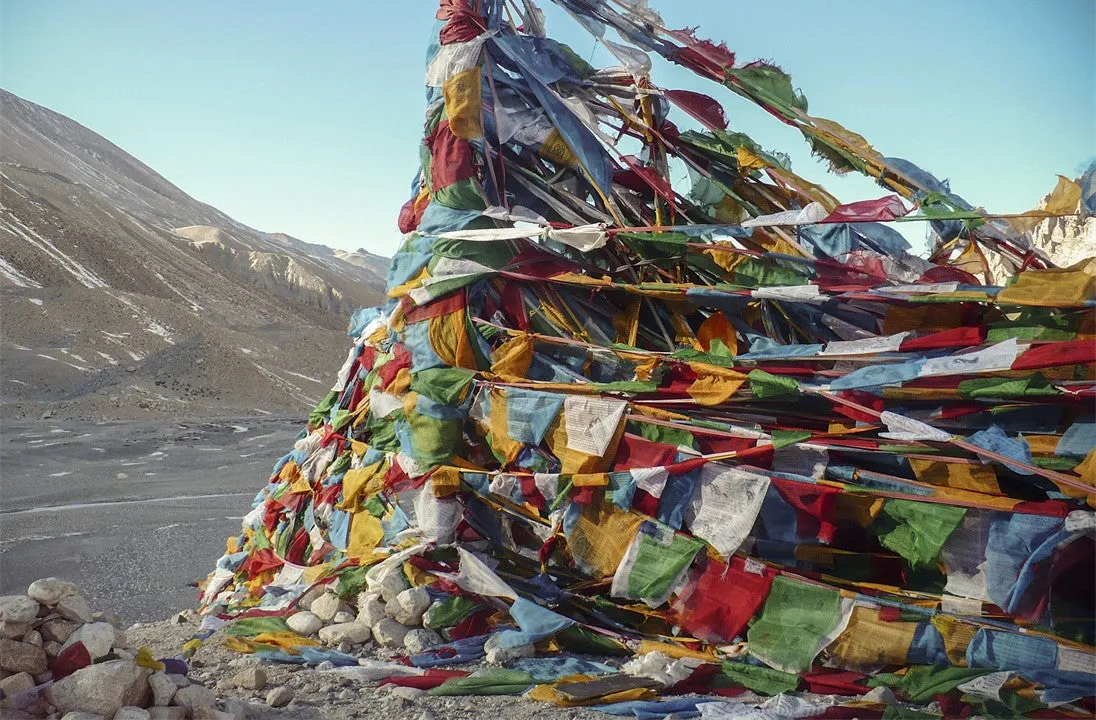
[
  {"x": 249, "y": 627},
  {"x": 446, "y": 385},
  {"x": 784, "y": 438},
  {"x": 917, "y": 530},
  {"x": 795, "y": 625},
  {"x": 488, "y": 682},
  {"x": 760, "y": 679},
  {"x": 921, "y": 682},
  {"x": 654, "y": 562},
  {"x": 766, "y": 386}
]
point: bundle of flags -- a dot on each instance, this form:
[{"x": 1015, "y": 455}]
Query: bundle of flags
[{"x": 736, "y": 423}]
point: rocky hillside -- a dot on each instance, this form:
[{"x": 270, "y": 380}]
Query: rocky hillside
[{"x": 122, "y": 295}]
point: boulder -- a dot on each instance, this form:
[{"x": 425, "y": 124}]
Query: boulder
[
  {"x": 79, "y": 715},
  {"x": 501, "y": 656},
  {"x": 130, "y": 712},
  {"x": 279, "y": 696},
  {"x": 33, "y": 637},
  {"x": 18, "y": 609},
  {"x": 370, "y": 609},
  {"x": 326, "y": 606},
  {"x": 305, "y": 623},
  {"x": 51, "y": 590},
  {"x": 52, "y": 648},
  {"x": 163, "y": 688},
  {"x": 16, "y": 657},
  {"x": 167, "y": 713},
  {"x": 58, "y": 630},
  {"x": 211, "y": 713},
  {"x": 14, "y": 630},
  {"x": 194, "y": 696},
  {"x": 75, "y": 608},
  {"x": 409, "y": 606},
  {"x": 390, "y": 633},
  {"x": 103, "y": 688},
  {"x": 97, "y": 637},
  {"x": 419, "y": 640},
  {"x": 13, "y": 685},
  {"x": 351, "y": 632},
  {"x": 252, "y": 678},
  {"x": 344, "y": 616}
]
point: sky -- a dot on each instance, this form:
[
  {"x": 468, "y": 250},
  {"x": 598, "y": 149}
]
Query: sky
[{"x": 305, "y": 118}]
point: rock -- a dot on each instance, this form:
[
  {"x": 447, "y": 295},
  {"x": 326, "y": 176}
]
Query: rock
[
  {"x": 108, "y": 617},
  {"x": 426, "y": 715},
  {"x": 33, "y": 637},
  {"x": 327, "y": 606},
  {"x": 279, "y": 696},
  {"x": 501, "y": 656},
  {"x": 390, "y": 633},
  {"x": 370, "y": 609},
  {"x": 418, "y": 640},
  {"x": 14, "y": 684},
  {"x": 409, "y": 606},
  {"x": 121, "y": 476},
  {"x": 389, "y": 583},
  {"x": 97, "y": 637},
  {"x": 305, "y": 623},
  {"x": 79, "y": 715},
  {"x": 46, "y": 415},
  {"x": 181, "y": 681},
  {"x": 14, "y": 630},
  {"x": 194, "y": 696},
  {"x": 167, "y": 713},
  {"x": 18, "y": 609},
  {"x": 252, "y": 678},
  {"x": 103, "y": 688},
  {"x": 163, "y": 688},
  {"x": 19, "y": 657},
  {"x": 58, "y": 630},
  {"x": 75, "y": 608},
  {"x": 407, "y": 693},
  {"x": 131, "y": 712},
  {"x": 344, "y": 616},
  {"x": 131, "y": 368},
  {"x": 309, "y": 597},
  {"x": 238, "y": 709},
  {"x": 51, "y": 590},
  {"x": 352, "y": 632},
  {"x": 210, "y": 713},
  {"x": 52, "y": 648}
]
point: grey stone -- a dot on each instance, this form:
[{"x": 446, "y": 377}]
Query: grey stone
[
  {"x": 252, "y": 678},
  {"x": 326, "y": 606},
  {"x": 14, "y": 630},
  {"x": 194, "y": 696},
  {"x": 389, "y": 633},
  {"x": 98, "y": 638},
  {"x": 51, "y": 590},
  {"x": 305, "y": 623},
  {"x": 15, "y": 684},
  {"x": 279, "y": 696},
  {"x": 409, "y": 606},
  {"x": 181, "y": 681},
  {"x": 352, "y": 632},
  {"x": 58, "y": 630},
  {"x": 344, "y": 616},
  {"x": 419, "y": 640},
  {"x": 113, "y": 618},
  {"x": 167, "y": 713},
  {"x": 75, "y": 608},
  {"x": 131, "y": 712},
  {"x": 18, "y": 609},
  {"x": 163, "y": 688},
  {"x": 210, "y": 713},
  {"x": 18, "y": 657},
  {"x": 370, "y": 609},
  {"x": 238, "y": 709},
  {"x": 52, "y": 648},
  {"x": 102, "y": 688},
  {"x": 309, "y": 597},
  {"x": 33, "y": 637},
  {"x": 407, "y": 693},
  {"x": 501, "y": 656},
  {"x": 78, "y": 715}
]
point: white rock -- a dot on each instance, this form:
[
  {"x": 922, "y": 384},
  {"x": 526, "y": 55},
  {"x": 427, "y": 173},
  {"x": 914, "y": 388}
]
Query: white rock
[
  {"x": 344, "y": 616},
  {"x": 389, "y": 583},
  {"x": 18, "y": 609},
  {"x": 305, "y": 623},
  {"x": 351, "y": 632},
  {"x": 409, "y": 606},
  {"x": 167, "y": 713},
  {"x": 14, "y": 630},
  {"x": 327, "y": 606},
  {"x": 102, "y": 688},
  {"x": 194, "y": 696},
  {"x": 98, "y": 638},
  {"x": 75, "y": 608},
  {"x": 18, "y": 657},
  {"x": 58, "y": 630},
  {"x": 252, "y": 678},
  {"x": 389, "y": 633},
  {"x": 407, "y": 693},
  {"x": 33, "y": 637},
  {"x": 370, "y": 609},
  {"x": 309, "y": 597},
  {"x": 279, "y": 696},
  {"x": 501, "y": 656},
  {"x": 163, "y": 688},
  {"x": 51, "y": 590},
  {"x": 131, "y": 712},
  {"x": 419, "y": 640}
]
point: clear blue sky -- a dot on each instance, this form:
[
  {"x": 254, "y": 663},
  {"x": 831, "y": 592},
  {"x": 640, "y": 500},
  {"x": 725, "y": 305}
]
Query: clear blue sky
[{"x": 304, "y": 117}]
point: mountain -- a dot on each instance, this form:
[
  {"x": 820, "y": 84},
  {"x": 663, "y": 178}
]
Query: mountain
[{"x": 122, "y": 295}]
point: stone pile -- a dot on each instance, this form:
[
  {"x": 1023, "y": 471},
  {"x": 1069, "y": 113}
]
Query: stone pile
[{"x": 58, "y": 659}]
